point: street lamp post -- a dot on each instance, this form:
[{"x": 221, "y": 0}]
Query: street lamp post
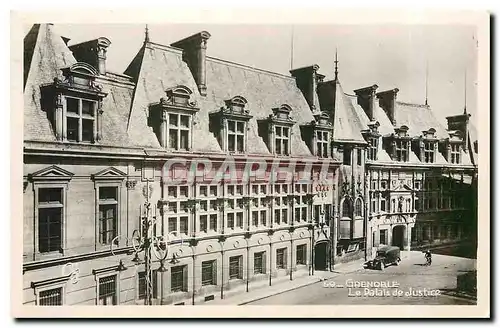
[{"x": 145, "y": 240}]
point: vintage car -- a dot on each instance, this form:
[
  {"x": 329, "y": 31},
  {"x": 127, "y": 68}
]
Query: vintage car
[{"x": 386, "y": 256}]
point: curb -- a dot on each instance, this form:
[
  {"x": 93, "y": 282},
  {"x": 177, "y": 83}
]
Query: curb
[{"x": 280, "y": 292}]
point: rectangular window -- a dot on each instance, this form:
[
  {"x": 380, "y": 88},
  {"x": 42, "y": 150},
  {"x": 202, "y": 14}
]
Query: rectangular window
[
  {"x": 80, "y": 120},
  {"x": 328, "y": 213},
  {"x": 429, "y": 152},
  {"x": 179, "y": 127},
  {"x": 259, "y": 263},
  {"x": 372, "y": 148},
  {"x": 317, "y": 213},
  {"x": 178, "y": 279},
  {"x": 255, "y": 218},
  {"x": 301, "y": 254},
  {"x": 230, "y": 220},
  {"x": 178, "y": 209},
  {"x": 50, "y": 297},
  {"x": 213, "y": 222},
  {"x": 359, "y": 157},
  {"x": 239, "y": 220},
  {"x": 347, "y": 156},
  {"x": 236, "y": 267},
  {"x": 455, "y": 154},
  {"x": 322, "y": 142},
  {"x": 281, "y": 258},
  {"x": 108, "y": 214},
  {"x": 209, "y": 273},
  {"x": 107, "y": 290},
  {"x": 383, "y": 235},
  {"x": 282, "y": 140},
  {"x": 50, "y": 220},
  {"x": 203, "y": 223},
  {"x": 172, "y": 225},
  {"x": 235, "y": 136},
  {"x": 142, "y": 284},
  {"x": 183, "y": 224},
  {"x": 402, "y": 154}
]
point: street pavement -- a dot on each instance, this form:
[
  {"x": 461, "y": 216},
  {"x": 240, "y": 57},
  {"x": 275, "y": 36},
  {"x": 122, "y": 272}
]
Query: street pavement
[{"x": 408, "y": 283}]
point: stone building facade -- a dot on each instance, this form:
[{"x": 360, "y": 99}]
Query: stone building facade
[{"x": 248, "y": 177}]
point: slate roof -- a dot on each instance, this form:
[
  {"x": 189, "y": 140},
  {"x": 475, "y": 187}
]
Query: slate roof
[
  {"x": 156, "y": 68},
  {"x": 45, "y": 54},
  {"x": 162, "y": 67},
  {"x": 347, "y": 125},
  {"x": 418, "y": 118}
]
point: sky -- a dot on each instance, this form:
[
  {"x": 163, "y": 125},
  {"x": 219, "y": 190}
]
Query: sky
[{"x": 391, "y": 56}]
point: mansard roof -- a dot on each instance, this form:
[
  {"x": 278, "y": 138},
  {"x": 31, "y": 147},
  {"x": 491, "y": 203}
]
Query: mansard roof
[
  {"x": 48, "y": 55},
  {"x": 161, "y": 67},
  {"x": 418, "y": 118}
]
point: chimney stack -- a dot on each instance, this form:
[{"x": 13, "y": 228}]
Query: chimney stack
[
  {"x": 307, "y": 80},
  {"x": 93, "y": 53},
  {"x": 194, "y": 49},
  {"x": 367, "y": 100},
  {"x": 387, "y": 100},
  {"x": 460, "y": 123}
]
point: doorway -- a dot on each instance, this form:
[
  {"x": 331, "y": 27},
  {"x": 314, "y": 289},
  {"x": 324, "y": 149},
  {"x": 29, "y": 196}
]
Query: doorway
[
  {"x": 398, "y": 235},
  {"x": 320, "y": 256}
]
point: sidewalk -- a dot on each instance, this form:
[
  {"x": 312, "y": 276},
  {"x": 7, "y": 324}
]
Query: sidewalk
[{"x": 283, "y": 284}]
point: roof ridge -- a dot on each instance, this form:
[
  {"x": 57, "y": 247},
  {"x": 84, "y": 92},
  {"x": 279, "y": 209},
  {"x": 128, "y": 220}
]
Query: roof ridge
[
  {"x": 412, "y": 104},
  {"x": 164, "y": 47},
  {"x": 251, "y": 68},
  {"x": 30, "y": 41}
]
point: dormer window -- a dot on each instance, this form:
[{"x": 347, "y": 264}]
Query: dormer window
[
  {"x": 172, "y": 119},
  {"x": 453, "y": 147},
  {"x": 230, "y": 125},
  {"x": 427, "y": 146},
  {"x": 401, "y": 144},
  {"x": 279, "y": 126},
  {"x": 282, "y": 140},
  {"x": 372, "y": 138},
  {"x": 322, "y": 142},
  {"x": 429, "y": 151},
  {"x": 319, "y": 131},
  {"x": 455, "y": 153},
  {"x": 401, "y": 150},
  {"x": 74, "y": 105}
]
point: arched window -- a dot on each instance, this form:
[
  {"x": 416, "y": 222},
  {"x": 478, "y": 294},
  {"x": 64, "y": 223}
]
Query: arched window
[
  {"x": 346, "y": 208},
  {"x": 358, "y": 208}
]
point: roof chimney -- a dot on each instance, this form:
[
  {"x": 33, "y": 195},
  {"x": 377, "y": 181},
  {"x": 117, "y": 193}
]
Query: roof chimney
[
  {"x": 460, "y": 123},
  {"x": 366, "y": 99},
  {"x": 93, "y": 53},
  {"x": 307, "y": 80},
  {"x": 387, "y": 100},
  {"x": 194, "y": 54}
]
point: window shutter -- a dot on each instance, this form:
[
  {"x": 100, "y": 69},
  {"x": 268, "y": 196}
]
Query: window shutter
[
  {"x": 185, "y": 278},
  {"x": 264, "y": 263},
  {"x": 214, "y": 272}
]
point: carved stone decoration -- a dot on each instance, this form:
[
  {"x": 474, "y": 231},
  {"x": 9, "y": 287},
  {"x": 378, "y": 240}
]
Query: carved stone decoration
[
  {"x": 131, "y": 184},
  {"x": 282, "y": 238},
  {"x": 210, "y": 248},
  {"x": 236, "y": 244},
  {"x": 261, "y": 241},
  {"x": 346, "y": 188}
]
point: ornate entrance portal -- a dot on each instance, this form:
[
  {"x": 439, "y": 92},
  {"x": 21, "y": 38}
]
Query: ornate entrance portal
[
  {"x": 320, "y": 256},
  {"x": 398, "y": 236}
]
